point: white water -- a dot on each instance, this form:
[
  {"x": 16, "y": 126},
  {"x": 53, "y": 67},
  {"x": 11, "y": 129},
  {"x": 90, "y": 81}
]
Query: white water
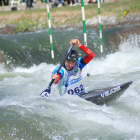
[{"x": 26, "y": 115}]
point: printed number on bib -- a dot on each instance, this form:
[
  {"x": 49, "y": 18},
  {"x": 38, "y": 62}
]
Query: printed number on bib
[{"x": 76, "y": 90}]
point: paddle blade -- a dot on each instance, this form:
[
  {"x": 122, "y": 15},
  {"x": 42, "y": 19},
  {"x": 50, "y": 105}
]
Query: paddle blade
[{"x": 46, "y": 93}]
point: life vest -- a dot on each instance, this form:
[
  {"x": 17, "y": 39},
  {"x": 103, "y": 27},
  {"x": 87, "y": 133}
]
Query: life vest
[{"x": 71, "y": 81}]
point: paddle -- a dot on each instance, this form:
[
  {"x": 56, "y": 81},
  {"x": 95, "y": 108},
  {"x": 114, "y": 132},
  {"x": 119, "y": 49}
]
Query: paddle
[{"x": 47, "y": 91}]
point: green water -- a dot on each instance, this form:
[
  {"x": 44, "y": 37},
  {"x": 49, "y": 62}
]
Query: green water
[{"x": 25, "y": 115}]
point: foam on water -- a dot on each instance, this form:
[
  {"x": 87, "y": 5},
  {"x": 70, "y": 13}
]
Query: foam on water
[
  {"x": 42, "y": 67},
  {"x": 126, "y": 60},
  {"x": 2, "y": 68},
  {"x": 70, "y": 117}
]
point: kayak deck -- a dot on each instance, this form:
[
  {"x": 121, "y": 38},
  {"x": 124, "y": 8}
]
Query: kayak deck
[{"x": 102, "y": 96}]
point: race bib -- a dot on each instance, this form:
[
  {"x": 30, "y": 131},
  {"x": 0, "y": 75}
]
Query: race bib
[{"x": 76, "y": 90}]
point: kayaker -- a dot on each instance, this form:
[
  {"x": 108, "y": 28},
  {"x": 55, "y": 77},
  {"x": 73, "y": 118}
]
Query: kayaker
[{"x": 69, "y": 76}]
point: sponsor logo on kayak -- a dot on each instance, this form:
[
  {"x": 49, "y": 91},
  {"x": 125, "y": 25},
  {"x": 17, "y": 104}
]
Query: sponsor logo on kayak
[
  {"x": 75, "y": 80},
  {"x": 111, "y": 91}
]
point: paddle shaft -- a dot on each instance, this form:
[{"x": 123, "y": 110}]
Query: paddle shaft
[{"x": 68, "y": 52}]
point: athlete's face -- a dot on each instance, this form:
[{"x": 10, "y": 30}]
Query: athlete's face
[{"x": 69, "y": 64}]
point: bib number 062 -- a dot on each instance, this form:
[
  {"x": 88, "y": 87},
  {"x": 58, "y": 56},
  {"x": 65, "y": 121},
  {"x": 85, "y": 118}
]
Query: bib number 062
[{"x": 76, "y": 90}]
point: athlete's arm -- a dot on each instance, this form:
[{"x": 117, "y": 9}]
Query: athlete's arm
[
  {"x": 58, "y": 76},
  {"x": 89, "y": 54}
]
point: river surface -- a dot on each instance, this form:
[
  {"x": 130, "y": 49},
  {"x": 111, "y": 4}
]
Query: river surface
[{"x": 25, "y": 115}]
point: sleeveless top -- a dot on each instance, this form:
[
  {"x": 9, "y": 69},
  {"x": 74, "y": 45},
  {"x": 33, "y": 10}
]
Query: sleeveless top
[{"x": 70, "y": 81}]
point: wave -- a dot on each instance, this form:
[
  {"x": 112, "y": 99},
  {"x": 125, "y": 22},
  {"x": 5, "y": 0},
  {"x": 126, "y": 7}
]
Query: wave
[
  {"x": 31, "y": 52},
  {"x": 125, "y": 60}
]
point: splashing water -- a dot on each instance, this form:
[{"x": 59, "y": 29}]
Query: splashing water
[{"x": 26, "y": 115}]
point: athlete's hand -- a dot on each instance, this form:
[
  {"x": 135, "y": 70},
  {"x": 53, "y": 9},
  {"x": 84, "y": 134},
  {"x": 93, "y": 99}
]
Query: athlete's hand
[
  {"x": 54, "y": 76},
  {"x": 76, "y": 42}
]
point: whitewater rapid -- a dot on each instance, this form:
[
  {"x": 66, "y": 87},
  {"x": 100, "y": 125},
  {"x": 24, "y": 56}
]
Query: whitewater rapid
[{"x": 26, "y": 115}]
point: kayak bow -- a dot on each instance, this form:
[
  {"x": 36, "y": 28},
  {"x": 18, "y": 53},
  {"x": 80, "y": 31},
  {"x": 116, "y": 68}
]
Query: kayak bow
[{"x": 102, "y": 96}]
